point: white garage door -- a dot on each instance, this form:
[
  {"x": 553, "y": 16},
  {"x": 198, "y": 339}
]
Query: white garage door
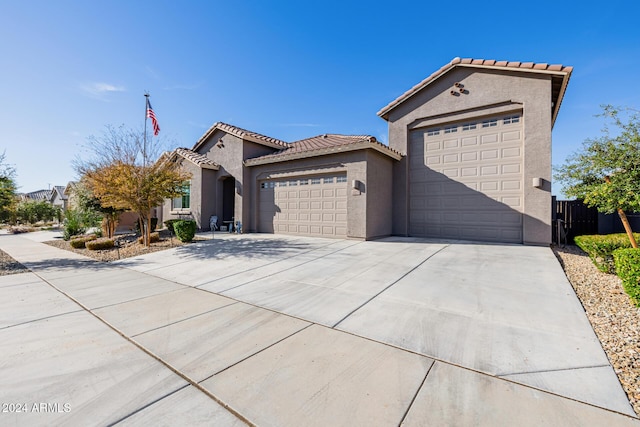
[
  {"x": 466, "y": 180},
  {"x": 314, "y": 206}
]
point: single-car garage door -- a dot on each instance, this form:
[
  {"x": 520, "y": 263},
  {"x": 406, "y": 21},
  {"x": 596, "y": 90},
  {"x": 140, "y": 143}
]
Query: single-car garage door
[
  {"x": 315, "y": 206},
  {"x": 466, "y": 181}
]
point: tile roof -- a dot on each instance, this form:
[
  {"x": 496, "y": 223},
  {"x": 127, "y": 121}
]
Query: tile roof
[
  {"x": 60, "y": 189},
  {"x": 324, "y": 144},
  {"x": 37, "y": 195},
  {"x": 240, "y": 133},
  {"x": 558, "y": 90},
  {"x": 196, "y": 158}
]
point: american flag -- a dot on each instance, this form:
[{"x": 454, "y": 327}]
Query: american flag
[{"x": 152, "y": 116}]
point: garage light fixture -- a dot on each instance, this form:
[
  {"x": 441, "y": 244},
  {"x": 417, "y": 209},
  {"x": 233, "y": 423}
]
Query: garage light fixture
[{"x": 220, "y": 143}]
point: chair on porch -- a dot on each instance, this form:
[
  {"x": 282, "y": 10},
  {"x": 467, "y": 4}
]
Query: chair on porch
[{"x": 213, "y": 222}]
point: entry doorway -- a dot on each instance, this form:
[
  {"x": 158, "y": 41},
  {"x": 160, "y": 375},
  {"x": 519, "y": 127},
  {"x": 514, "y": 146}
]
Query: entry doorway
[{"x": 228, "y": 200}]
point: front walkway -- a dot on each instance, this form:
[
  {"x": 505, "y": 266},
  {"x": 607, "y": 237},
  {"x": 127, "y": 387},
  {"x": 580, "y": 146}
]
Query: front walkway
[{"x": 277, "y": 330}]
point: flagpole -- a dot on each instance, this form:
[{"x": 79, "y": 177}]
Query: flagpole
[{"x": 144, "y": 143}]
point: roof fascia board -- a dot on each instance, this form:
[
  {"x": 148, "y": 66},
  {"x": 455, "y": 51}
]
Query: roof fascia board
[{"x": 429, "y": 80}]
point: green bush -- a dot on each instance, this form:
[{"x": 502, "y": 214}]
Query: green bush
[
  {"x": 185, "y": 230},
  {"x": 169, "y": 224},
  {"x": 80, "y": 242},
  {"x": 73, "y": 224},
  {"x": 101, "y": 243},
  {"x": 153, "y": 237},
  {"x": 627, "y": 263},
  {"x": 600, "y": 248}
]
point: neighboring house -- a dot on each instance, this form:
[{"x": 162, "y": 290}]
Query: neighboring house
[
  {"x": 469, "y": 157},
  {"x": 36, "y": 196},
  {"x": 58, "y": 197},
  {"x": 126, "y": 221},
  {"x": 70, "y": 193}
]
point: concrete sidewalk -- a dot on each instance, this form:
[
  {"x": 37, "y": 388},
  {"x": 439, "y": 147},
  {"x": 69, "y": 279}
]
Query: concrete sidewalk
[{"x": 277, "y": 330}]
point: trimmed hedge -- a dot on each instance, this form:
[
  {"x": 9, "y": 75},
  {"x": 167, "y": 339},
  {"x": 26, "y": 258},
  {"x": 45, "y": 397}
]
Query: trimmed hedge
[
  {"x": 185, "y": 230},
  {"x": 153, "y": 237},
  {"x": 627, "y": 263},
  {"x": 81, "y": 241},
  {"x": 600, "y": 248},
  {"x": 101, "y": 243}
]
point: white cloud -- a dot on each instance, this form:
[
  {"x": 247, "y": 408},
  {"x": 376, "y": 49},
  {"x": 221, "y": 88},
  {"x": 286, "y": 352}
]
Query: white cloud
[{"x": 100, "y": 88}]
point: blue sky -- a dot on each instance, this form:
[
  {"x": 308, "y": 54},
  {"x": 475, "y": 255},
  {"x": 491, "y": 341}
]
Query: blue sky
[{"x": 287, "y": 69}]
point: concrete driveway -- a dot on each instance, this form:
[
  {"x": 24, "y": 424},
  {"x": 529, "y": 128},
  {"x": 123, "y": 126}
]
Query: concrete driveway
[{"x": 277, "y": 330}]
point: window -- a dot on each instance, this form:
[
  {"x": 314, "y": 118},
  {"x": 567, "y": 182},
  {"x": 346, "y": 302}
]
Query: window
[
  {"x": 341, "y": 178},
  {"x": 490, "y": 123},
  {"x": 293, "y": 183},
  {"x": 184, "y": 201},
  {"x": 433, "y": 132},
  {"x": 315, "y": 181},
  {"x": 451, "y": 129},
  {"x": 511, "y": 119},
  {"x": 282, "y": 184},
  {"x": 304, "y": 182},
  {"x": 469, "y": 126},
  {"x": 264, "y": 185},
  {"x": 272, "y": 184},
  {"x": 327, "y": 180}
]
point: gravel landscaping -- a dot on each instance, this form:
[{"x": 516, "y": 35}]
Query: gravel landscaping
[
  {"x": 128, "y": 247},
  {"x": 9, "y": 265},
  {"x": 614, "y": 318}
]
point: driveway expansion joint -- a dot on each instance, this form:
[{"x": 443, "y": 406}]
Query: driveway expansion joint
[{"x": 390, "y": 285}]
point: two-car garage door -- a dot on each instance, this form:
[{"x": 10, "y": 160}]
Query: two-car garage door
[
  {"x": 315, "y": 206},
  {"x": 466, "y": 181}
]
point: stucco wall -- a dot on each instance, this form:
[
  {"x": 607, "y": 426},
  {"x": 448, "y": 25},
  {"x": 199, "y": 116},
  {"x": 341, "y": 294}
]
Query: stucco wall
[
  {"x": 196, "y": 193},
  {"x": 380, "y": 185},
  {"x": 358, "y": 200},
  {"x": 484, "y": 88}
]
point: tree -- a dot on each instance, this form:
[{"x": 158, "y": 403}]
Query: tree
[
  {"x": 92, "y": 211},
  {"x": 33, "y": 211},
  {"x": 7, "y": 189},
  {"x": 605, "y": 173},
  {"x": 124, "y": 174}
]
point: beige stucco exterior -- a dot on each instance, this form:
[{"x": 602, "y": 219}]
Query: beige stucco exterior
[
  {"x": 485, "y": 91},
  {"x": 234, "y": 170}
]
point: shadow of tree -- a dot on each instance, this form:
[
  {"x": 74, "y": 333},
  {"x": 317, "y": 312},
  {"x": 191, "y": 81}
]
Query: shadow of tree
[{"x": 247, "y": 247}]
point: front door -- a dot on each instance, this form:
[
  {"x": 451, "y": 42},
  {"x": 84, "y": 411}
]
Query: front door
[{"x": 228, "y": 199}]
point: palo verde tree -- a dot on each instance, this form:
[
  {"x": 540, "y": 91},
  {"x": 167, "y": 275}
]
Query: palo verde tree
[
  {"x": 605, "y": 173},
  {"x": 123, "y": 174},
  {"x": 7, "y": 189}
]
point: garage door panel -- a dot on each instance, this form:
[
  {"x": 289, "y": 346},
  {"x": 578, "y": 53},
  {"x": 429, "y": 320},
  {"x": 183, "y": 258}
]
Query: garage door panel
[
  {"x": 305, "y": 206},
  {"x": 467, "y": 183}
]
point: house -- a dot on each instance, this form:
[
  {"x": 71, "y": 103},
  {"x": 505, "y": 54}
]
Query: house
[
  {"x": 57, "y": 197},
  {"x": 469, "y": 157},
  {"x": 35, "y": 196},
  {"x": 327, "y": 185}
]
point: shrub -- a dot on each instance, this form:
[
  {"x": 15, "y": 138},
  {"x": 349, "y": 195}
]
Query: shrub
[
  {"x": 627, "y": 263},
  {"x": 101, "y": 243},
  {"x": 185, "y": 230},
  {"x": 600, "y": 248},
  {"x": 80, "y": 242},
  {"x": 73, "y": 224},
  {"x": 169, "y": 224},
  {"x": 153, "y": 237}
]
